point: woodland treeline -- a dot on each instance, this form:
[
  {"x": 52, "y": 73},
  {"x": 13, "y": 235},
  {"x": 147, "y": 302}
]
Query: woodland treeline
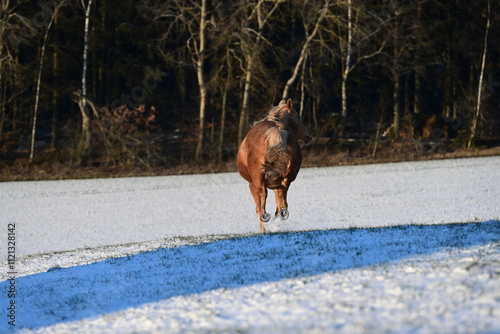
[{"x": 157, "y": 83}]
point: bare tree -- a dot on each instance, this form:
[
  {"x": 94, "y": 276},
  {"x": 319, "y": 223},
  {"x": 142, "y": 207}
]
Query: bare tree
[
  {"x": 227, "y": 70},
  {"x": 396, "y": 76},
  {"x": 347, "y": 66},
  {"x": 251, "y": 52},
  {"x": 39, "y": 78},
  {"x": 397, "y": 50},
  {"x": 362, "y": 27},
  {"x": 199, "y": 54},
  {"x": 481, "y": 77},
  {"x": 192, "y": 17},
  {"x": 84, "y": 143},
  {"x": 305, "y": 48},
  {"x": 14, "y": 30}
]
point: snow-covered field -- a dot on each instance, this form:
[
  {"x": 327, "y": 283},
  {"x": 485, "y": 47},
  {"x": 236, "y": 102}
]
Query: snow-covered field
[{"x": 394, "y": 248}]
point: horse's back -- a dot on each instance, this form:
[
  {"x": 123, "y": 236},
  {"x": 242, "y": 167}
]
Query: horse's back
[{"x": 255, "y": 149}]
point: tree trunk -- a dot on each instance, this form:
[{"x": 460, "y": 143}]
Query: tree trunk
[
  {"x": 201, "y": 81},
  {"x": 55, "y": 99},
  {"x": 246, "y": 97},
  {"x": 85, "y": 134},
  {"x": 480, "y": 83},
  {"x": 223, "y": 119},
  {"x": 225, "y": 90},
  {"x": 396, "y": 100},
  {"x": 302, "y": 90},
  {"x": 251, "y": 57},
  {"x": 417, "y": 31},
  {"x": 406, "y": 97},
  {"x": 395, "y": 78},
  {"x": 315, "y": 104},
  {"x": 39, "y": 80},
  {"x": 347, "y": 63},
  {"x": 447, "y": 87},
  {"x": 305, "y": 49},
  {"x": 448, "y": 97},
  {"x": 416, "y": 94}
]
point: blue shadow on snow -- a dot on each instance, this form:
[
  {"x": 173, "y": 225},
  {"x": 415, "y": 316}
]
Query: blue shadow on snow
[{"x": 79, "y": 292}]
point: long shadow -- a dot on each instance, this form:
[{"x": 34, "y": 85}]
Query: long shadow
[{"x": 62, "y": 295}]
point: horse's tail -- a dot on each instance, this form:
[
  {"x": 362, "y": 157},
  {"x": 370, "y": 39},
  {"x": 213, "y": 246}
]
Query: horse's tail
[{"x": 276, "y": 160}]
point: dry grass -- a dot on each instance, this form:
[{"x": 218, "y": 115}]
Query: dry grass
[
  {"x": 20, "y": 170},
  {"x": 398, "y": 154}
]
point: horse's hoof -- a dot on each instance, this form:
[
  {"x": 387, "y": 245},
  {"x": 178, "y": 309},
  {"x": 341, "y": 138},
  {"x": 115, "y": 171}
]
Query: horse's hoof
[
  {"x": 265, "y": 217},
  {"x": 284, "y": 214}
]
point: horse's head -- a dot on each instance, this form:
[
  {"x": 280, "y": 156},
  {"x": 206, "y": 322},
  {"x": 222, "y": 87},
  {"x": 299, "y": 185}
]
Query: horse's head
[{"x": 291, "y": 118}]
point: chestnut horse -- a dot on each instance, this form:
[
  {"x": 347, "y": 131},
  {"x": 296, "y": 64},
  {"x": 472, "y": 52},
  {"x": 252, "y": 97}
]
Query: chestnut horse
[{"x": 269, "y": 158}]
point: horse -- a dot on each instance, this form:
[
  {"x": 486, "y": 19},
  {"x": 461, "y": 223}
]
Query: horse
[{"x": 269, "y": 157}]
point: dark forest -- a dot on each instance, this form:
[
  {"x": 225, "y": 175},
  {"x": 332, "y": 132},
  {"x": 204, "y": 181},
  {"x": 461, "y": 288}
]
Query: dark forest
[{"x": 162, "y": 84}]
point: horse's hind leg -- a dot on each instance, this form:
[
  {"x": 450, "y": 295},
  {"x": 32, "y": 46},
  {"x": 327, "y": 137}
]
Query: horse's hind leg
[
  {"x": 281, "y": 203},
  {"x": 259, "y": 193}
]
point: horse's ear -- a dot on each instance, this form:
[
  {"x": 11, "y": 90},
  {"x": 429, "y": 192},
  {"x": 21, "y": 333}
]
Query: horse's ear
[
  {"x": 282, "y": 102},
  {"x": 289, "y": 104}
]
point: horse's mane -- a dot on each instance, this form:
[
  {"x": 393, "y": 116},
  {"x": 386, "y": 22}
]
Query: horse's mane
[{"x": 273, "y": 115}]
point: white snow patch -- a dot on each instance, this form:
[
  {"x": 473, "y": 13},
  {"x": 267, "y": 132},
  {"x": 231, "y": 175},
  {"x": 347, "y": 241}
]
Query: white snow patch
[
  {"x": 65, "y": 215},
  {"x": 410, "y": 279},
  {"x": 179, "y": 253}
]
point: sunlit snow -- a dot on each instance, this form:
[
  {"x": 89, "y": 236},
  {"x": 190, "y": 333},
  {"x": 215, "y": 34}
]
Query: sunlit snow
[{"x": 363, "y": 251}]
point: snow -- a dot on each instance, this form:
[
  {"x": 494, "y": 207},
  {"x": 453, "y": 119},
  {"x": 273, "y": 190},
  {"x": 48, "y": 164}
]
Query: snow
[
  {"x": 405, "y": 248},
  {"x": 65, "y": 215}
]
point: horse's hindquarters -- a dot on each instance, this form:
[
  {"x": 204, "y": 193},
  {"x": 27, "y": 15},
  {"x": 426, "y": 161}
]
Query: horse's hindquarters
[{"x": 269, "y": 157}]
